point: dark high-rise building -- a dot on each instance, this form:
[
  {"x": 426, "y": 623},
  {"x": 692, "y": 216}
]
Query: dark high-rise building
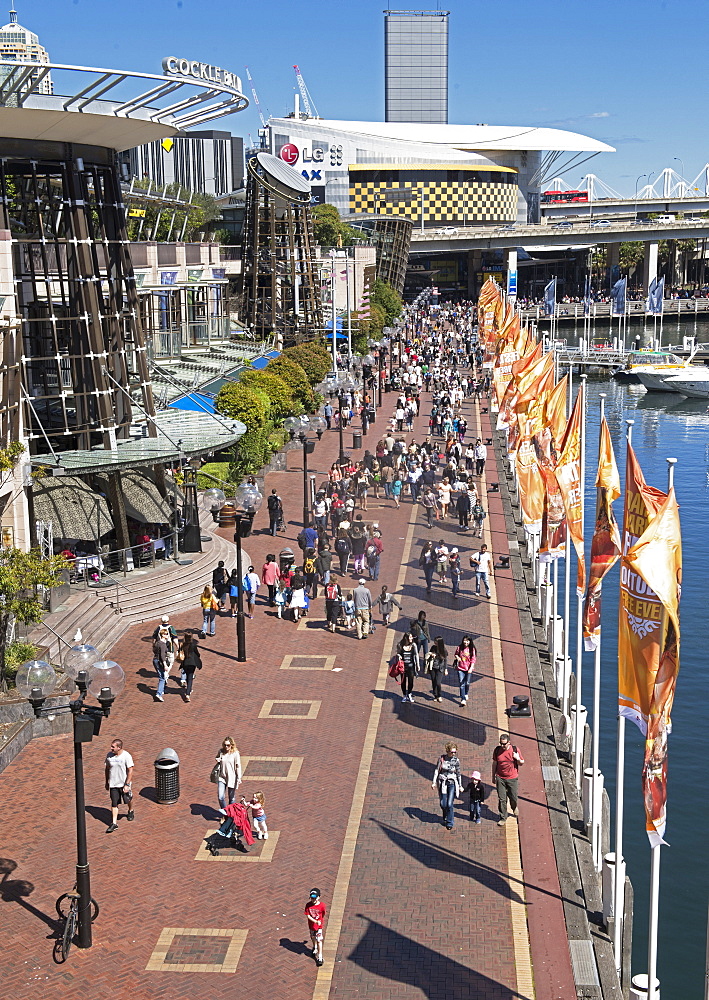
[{"x": 416, "y": 65}]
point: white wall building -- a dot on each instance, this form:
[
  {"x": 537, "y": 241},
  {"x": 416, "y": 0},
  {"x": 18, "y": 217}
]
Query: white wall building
[{"x": 454, "y": 174}]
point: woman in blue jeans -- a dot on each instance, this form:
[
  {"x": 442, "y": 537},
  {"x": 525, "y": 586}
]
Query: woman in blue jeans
[
  {"x": 464, "y": 662},
  {"x": 447, "y": 781}
]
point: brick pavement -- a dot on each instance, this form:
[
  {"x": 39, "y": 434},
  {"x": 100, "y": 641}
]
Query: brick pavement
[{"x": 425, "y": 908}]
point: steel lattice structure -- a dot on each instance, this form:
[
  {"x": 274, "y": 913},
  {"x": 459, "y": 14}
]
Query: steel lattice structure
[{"x": 279, "y": 290}]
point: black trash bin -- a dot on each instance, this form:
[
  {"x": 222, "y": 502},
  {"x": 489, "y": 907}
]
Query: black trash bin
[
  {"x": 286, "y": 559},
  {"x": 167, "y": 777},
  {"x": 356, "y": 440},
  {"x": 372, "y": 414}
]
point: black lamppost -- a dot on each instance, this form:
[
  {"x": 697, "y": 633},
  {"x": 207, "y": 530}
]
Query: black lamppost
[
  {"x": 249, "y": 498},
  {"x": 104, "y": 679},
  {"x": 301, "y": 426},
  {"x": 344, "y": 384}
]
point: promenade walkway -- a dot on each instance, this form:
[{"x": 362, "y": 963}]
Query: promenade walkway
[{"x": 414, "y": 911}]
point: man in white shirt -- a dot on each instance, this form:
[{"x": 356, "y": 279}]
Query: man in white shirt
[
  {"x": 119, "y": 782},
  {"x": 481, "y": 563},
  {"x": 480, "y": 457}
]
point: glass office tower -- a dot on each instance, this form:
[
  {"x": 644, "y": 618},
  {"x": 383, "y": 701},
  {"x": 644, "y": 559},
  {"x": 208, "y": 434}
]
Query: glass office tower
[{"x": 416, "y": 65}]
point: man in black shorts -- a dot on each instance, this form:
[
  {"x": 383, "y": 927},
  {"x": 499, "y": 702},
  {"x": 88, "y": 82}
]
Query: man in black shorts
[{"x": 119, "y": 782}]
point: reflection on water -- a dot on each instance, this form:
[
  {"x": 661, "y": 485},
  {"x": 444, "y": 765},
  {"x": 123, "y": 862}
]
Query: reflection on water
[{"x": 665, "y": 425}]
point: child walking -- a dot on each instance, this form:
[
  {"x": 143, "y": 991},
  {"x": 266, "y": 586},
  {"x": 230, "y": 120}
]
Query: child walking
[
  {"x": 476, "y": 789},
  {"x": 386, "y": 602},
  {"x": 348, "y": 609},
  {"x": 257, "y": 805},
  {"x": 315, "y": 913}
]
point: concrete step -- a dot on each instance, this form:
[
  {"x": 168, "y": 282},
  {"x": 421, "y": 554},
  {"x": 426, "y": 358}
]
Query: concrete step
[{"x": 144, "y": 597}]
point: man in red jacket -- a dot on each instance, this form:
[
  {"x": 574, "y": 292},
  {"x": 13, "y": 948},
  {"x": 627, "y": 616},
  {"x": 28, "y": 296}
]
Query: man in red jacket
[{"x": 506, "y": 760}]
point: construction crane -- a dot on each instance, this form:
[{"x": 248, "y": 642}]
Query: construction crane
[
  {"x": 308, "y": 103},
  {"x": 256, "y": 100}
]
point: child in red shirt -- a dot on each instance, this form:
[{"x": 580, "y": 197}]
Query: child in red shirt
[{"x": 315, "y": 912}]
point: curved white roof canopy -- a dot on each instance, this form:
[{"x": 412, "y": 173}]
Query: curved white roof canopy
[{"x": 469, "y": 137}]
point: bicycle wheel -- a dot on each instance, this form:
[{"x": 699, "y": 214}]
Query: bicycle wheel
[{"x": 68, "y": 935}]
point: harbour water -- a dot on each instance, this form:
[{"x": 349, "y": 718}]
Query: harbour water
[{"x": 665, "y": 425}]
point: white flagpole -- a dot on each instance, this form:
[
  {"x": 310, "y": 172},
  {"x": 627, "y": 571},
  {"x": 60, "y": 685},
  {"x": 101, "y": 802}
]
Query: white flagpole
[
  {"x": 652, "y": 993},
  {"x": 349, "y": 308},
  {"x": 619, "y": 869},
  {"x": 567, "y": 571},
  {"x": 595, "y": 818},
  {"x": 579, "y": 737}
]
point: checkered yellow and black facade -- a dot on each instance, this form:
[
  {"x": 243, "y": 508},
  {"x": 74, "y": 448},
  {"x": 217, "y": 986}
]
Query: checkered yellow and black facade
[{"x": 448, "y": 194}]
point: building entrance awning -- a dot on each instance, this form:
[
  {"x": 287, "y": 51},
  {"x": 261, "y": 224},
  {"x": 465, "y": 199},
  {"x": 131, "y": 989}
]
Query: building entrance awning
[
  {"x": 181, "y": 434},
  {"x": 73, "y": 508}
]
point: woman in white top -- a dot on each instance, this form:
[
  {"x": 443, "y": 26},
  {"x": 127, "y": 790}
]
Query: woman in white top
[
  {"x": 444, "y": 496},
  {"x": 251, "y": 586},
  {"x": 229, "y": 777}
]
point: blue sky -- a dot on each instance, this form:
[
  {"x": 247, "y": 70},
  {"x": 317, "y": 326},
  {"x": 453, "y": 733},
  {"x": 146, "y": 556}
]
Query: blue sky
[{"x": 629, "y": 73}]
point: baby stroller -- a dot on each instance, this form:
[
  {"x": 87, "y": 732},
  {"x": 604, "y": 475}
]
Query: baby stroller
[{"x": 228, "y": 835}]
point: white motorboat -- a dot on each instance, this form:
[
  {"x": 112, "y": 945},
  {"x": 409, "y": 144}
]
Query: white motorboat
[
  {"x": 657, "y": 367},
  {"x": 693, "y": 383}
]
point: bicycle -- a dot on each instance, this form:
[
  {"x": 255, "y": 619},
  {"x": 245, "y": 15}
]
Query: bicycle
[{"x": 68, "y": 909}]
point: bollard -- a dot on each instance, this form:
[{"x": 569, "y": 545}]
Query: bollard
[
  {"x": 556, "y": 636},
  {"x": 583, "y": 716},
  {"x": 547, "y": 591},
  {"x": 586, "y": 795},
  {"x": 608, "y": 887},
  {"x": 639, "y": 987},
  {"x": 563, "y": 680}
]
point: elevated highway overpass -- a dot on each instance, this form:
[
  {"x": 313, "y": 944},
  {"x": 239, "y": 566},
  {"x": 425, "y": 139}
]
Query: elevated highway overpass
[{"x": 573, "y": 234}]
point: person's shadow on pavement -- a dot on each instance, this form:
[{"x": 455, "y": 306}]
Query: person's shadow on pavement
[{"x": 297, "y": 947}]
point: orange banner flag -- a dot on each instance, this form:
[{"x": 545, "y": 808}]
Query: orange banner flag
[
  {"x": 656, "y": 559},
  {"x": 534, "y": 389},
  {"x": 506, "y": 415},
  {"x": 547, "y": 443},
  {"x": 605, "y": 544},
  {"x": 640, "y": 611},
  {"x": 568, "y": 476}
]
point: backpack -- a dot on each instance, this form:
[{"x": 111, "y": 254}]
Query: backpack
[
  {"x": 309, "y": 566},
  {"x": 479, "y": 512},
  {"x": 341, "y": 546},
  {"x": 331, "y": 592},
  {"x": 398, "y": 448},
  {"x": 273, "y": 503},
  {"x": 371, "y": 552}
]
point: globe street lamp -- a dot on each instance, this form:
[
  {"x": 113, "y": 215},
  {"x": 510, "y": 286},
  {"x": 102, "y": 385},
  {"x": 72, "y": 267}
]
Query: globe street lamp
[
  {"x": 249, "y": 499},
  {"x": 104, "y": 679}
]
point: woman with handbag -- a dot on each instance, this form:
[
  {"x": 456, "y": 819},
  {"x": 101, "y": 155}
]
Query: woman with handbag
[
  {"x": 437, "y": 666},
  {"x": 409, "y": 654},
  {"x": 464, "y": 662},
  {"x": 446, "y": 780},
  {"x": 227, "y": 773},
  {"x": 190, "y": 660}
]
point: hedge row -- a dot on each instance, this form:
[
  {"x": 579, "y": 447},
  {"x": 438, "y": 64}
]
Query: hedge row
[{"x": 262, "y": 399}]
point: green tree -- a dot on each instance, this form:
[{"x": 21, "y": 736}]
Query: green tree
[
  {"x": 280, "y": 395},
  {"x": 631, "y": 254},
  {"x": 242, "y": 402},
  {"x": 330, "y": 230},
  {"x": 295, "y": 378},
  {"x": 388, "y": 299},
  {"x": 21, "y": 576},
  {"x": 313, "y": 358}
]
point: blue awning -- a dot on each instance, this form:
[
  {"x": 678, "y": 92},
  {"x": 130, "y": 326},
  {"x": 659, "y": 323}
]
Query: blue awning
[{"x": 197, "y": 401}]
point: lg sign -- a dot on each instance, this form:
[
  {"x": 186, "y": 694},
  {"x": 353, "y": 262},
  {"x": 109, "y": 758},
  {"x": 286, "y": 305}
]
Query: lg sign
[{"x": 289, "y": 153}]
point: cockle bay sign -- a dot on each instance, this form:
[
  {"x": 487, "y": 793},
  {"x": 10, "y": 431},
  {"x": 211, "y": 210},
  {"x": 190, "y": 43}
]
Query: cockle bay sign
[{"x": 203, "y": 72}]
